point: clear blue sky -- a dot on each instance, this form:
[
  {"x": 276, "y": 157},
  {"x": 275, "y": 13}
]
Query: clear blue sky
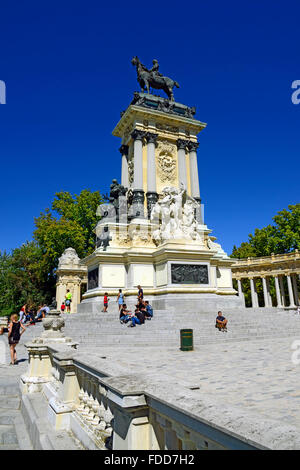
[{"x": 68, "y": 75}]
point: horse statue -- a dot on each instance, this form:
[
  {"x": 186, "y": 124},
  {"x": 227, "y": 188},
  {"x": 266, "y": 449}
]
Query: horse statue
[{"x": 153, "y": 78}]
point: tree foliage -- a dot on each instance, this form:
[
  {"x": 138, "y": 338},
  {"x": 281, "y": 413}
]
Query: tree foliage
[
  {"x": 282, "y": 237},
  {"x": 27, "y": 274}
]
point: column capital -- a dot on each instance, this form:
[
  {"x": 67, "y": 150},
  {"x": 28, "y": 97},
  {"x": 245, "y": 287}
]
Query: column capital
[
  {"x": 182, "y": 144},
  {"x": 138, "y": 135},
  {"x": 151, "y": 137},
  {"x": 192, "y": 146},
  {"x": 123, "y": 150}
]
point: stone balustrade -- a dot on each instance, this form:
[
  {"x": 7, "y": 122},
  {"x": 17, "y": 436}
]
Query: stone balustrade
[{"x": 122, "y": 412}]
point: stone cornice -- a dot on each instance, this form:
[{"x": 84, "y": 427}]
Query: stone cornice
[{"x": 133, "y": 112}]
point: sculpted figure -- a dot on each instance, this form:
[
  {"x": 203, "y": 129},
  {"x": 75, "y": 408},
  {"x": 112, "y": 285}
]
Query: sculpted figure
[
  {"x": 175, "y": 215},
  {"x": 153, "y": 78},
  {"x": 154, "y": 70}
]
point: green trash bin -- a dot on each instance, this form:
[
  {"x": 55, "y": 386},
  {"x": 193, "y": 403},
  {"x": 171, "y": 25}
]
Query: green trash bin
[{"x": 186, "y": 340}]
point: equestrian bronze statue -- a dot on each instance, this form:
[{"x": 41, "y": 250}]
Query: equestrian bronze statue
[{"x": 153, "y": 78}]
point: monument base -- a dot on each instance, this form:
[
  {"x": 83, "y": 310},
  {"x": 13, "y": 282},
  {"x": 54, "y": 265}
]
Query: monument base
[
  {"x": 185, "y": 302},
  {"x": 192, "y": 276}
]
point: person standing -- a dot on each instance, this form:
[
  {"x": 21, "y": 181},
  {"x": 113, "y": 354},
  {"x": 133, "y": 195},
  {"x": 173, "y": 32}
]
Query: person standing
[
  {"x": 68, "y": 298},
  {"x": 14, "y": 335},
  {"x": 120, "y": 299},
  {"x": 23, "y": 313},
  {"x": 105, "y": 302},
  {"x": 140, "y": 293}
]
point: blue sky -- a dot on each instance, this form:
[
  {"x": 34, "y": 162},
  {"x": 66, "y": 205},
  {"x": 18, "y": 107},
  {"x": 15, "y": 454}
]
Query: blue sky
[{"x": 68, "y": 75}]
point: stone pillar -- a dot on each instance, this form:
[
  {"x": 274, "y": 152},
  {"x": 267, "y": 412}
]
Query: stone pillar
[
  {"x": 278, "y": 293},
  {"x": 194, "y": 176},
  {"x": 290, "y": 289},
  {"x": 266, "y": 299},
  {"x": 152, "y": 195},
  {"x": 182, "y": 175},
  {"x": 254, "y": 298},
  {"x": 269, "y": 292},
  {"x": 138, "y": 191},
  {"x": 282, "y": 291},
  {"x": 240, "y": 290},
  {"x": 295, "y": 288},
  {"x": 124, "y": 176}
]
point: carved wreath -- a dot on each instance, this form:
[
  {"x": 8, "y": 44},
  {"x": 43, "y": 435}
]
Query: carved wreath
[{"x": 166, "y": 161}]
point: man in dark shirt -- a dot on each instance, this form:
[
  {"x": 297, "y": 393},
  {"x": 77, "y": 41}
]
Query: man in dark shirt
[
  {"x": 221, "y": 322},
  {"x": 124, "y": 314},
  {"x": 138, "y": 319}
]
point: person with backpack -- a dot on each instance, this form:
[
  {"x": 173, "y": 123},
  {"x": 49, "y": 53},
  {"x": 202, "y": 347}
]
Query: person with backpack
[{"x": 14, "y": 335}]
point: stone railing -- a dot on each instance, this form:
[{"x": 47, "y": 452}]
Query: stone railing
[
  {"x": 123, "y": 412},
  {"x": 267, "y": 260}
]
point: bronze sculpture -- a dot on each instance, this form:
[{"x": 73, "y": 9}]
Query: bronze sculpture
[{"x": 153, "y": 78}]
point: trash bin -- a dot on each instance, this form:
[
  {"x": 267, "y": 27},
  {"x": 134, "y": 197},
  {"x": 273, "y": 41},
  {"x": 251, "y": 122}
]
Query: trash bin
[{"x": 186, "y": 340}]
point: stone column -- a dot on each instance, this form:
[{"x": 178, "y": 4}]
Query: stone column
[
  {"x": 254, "y": 298},
  {"x": 290, "y": 289},
  {"x": 138, "y": 191},
  {"x": 240, "y": 290},
  {"x": 152, "y": 195},
  {"x": 269, "y": 292},
  {"x": 278, "y": 294},
  {"x": 124, "y": 176},
  {"x": 296, "y": 293},
  {"x": 182, "y": 175},
  {"x": 195, "y": 188},
  {"x": 266, "y": 298},
  {"x": 282, "y": 291}
]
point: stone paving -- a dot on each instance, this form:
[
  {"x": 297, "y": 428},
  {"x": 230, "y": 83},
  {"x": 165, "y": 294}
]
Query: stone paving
[
  {"x": 257, "y": 377},
  {"x": 13, "y": 433}
]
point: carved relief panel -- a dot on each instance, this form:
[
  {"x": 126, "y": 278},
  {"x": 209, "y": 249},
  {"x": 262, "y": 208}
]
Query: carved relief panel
[{"x": 166, "y": 164}]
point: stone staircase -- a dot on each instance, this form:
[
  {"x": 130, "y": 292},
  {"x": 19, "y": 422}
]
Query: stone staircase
[{"x": 164, "y": 329}]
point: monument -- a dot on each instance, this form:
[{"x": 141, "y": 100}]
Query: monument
[{"x": 152, "y": 232}]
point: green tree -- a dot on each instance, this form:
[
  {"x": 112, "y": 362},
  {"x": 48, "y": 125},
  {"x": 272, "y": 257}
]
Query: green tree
[
  {"x": 282, "y": 237},
  {"x": 27, "y": 274},
  {"x": 71, "y": 225},
  {"x": 22, "y": 279}
]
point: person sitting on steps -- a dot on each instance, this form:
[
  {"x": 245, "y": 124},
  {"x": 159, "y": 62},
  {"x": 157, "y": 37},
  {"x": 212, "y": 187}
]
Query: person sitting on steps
[
  {"x": 138, "y": 318},
  {"x": 125, "y": 314},
  {"x": 149, "y": 310},
  {"x": 221, "y": 322}
]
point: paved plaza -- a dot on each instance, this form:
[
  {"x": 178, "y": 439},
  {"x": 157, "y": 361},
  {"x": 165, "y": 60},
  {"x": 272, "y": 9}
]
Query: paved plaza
[{"x": 249, "y": 387}]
